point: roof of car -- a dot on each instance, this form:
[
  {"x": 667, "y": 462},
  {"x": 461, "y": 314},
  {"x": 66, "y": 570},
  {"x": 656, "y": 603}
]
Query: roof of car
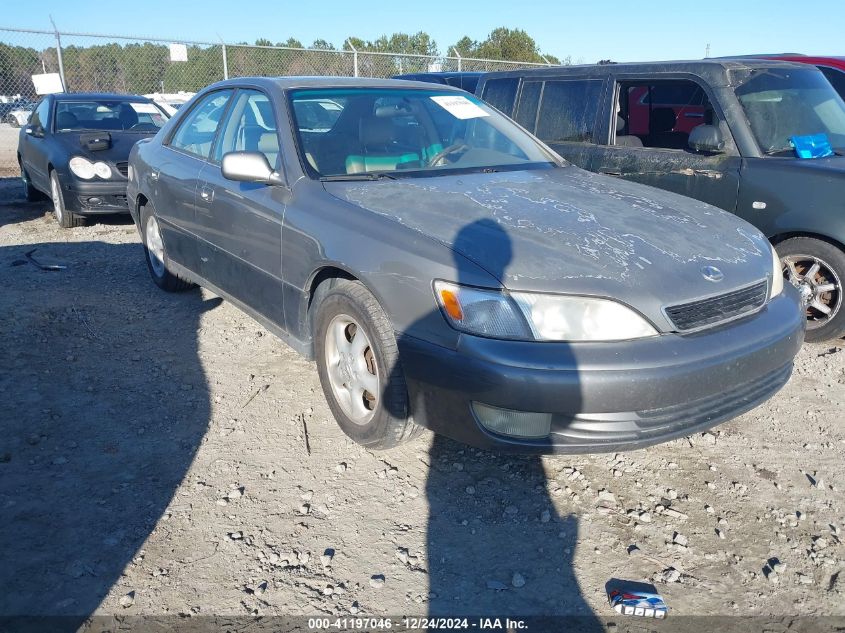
[
  {"x": 710, "y": 68},
  {"x": 98, "y": 96},
  {"x": 442, "y": 73},
  {"x": 332, "y": 82}
]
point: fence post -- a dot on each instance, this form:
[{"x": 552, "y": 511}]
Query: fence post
[
  {"x": 545, "y": 59},
  {"x": 458, "y": 55},
  {"x": 354, "y": 57},
  {"x": 225, "y": 59},
  {"x": 59, "y": 53}
]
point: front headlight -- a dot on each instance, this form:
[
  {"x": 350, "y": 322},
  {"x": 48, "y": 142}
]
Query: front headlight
[
  {"x": 542, "y": 317},
  {"x": 777, "y": 275},
  {"x": 85, "y": 169}
]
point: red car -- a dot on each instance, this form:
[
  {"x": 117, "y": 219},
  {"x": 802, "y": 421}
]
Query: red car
[{"x": 832, "y": 67}]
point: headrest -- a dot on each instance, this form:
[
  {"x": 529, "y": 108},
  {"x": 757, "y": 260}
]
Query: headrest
[
  {"x": 620, "y": 124},
  {"x": 128, "y": 117},
  {"x": 662, "y": 120},
  {"x": 66, "y": 120},
  {"x": 375, "y": 131},
  {"x": 268, "y": 143}
]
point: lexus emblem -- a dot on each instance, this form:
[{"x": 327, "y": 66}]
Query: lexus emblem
[{"x": 711, "y": 273}]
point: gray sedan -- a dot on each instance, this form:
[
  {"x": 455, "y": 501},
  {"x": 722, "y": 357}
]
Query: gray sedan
[{"x": 447, "y": 270}]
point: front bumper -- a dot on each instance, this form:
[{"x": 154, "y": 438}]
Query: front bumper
[
  {"x": 605, "y": 396},
  {"x": 95, "y": 196}
]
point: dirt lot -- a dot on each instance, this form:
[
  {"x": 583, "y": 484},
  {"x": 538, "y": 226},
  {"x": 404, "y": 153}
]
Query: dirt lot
[{"x": 153, "y": 460}]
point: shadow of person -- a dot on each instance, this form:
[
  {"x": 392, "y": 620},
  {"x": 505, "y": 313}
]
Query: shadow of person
[
  {"x": 103, "y": 404},
  {"x": 497, "y": 546}
]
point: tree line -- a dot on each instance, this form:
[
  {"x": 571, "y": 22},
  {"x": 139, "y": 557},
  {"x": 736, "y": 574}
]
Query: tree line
[{"x": 146, "y": 67}]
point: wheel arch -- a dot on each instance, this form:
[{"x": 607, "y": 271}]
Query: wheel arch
[{"x": 782, "y": 237}]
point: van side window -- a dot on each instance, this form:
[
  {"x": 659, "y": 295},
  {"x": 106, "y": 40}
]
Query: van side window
[
  {"x": 661, "y": 114},
  {"x": 501, "y": 94},
  {"x": 568, "y": 110},
  {"x": 529, "y": 100}
]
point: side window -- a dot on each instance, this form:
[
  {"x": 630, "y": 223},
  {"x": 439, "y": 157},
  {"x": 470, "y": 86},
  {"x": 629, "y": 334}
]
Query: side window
[
  {"x": 568, "y": 110},
  {"x": 501, "y": 93},
  {"x": 529, "y": 99},
  {"x": 661, "y": 114},
  {"x": 195, "y": 133},
  {"x": 836, "y": 78},
  {"x": 250, "y": 127},
  {"x": 40, "y": 115}
]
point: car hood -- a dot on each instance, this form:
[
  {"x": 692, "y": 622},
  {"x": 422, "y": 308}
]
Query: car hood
[
  {"x": 121, "y": 144},
  {"x": 571, "y": 231}
]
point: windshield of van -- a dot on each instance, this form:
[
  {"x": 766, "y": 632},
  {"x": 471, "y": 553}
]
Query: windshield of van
[
  {"x": 361, "y": 133},
  {"x": 780, "y": 104}
]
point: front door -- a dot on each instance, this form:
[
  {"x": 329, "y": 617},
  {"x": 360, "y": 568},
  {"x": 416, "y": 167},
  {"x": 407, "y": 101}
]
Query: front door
[
  {"x": 241, "y": 222},
  {"x": 34, "y": 146},
  {"x": 649, "y": 142}
]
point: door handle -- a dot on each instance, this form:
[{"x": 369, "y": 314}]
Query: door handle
[
  {"x": 207, "y": 194},
  {"x": 154, "y": 175}
]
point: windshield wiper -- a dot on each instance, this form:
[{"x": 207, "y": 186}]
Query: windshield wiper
[{"x": 366, "y": 176}]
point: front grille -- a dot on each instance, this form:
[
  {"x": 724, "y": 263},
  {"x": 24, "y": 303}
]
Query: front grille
[
  {"x": 697, "y": 314},
  {"x": 123, "y": 168}
]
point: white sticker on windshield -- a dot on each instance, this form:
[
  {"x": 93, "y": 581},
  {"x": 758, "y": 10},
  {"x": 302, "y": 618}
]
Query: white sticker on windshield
[
  {"x": 459, "y": 107},
  {"x": 145, "y": 108}
]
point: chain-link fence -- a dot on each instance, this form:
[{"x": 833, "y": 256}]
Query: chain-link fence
[{"x": 90, "y": 62}]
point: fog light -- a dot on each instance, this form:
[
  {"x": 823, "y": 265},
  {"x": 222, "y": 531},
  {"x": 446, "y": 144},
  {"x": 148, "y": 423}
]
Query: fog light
[
  {"x": 513, "y": 423},
  {"x": 94, "y": 201}
]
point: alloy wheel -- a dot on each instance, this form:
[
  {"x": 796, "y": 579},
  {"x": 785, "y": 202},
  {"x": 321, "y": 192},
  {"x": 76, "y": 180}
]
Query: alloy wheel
[
  {"x": 155, "y": 246},
  {"x": 352, "y": 369},
  {"x": 818, "y": 284}
]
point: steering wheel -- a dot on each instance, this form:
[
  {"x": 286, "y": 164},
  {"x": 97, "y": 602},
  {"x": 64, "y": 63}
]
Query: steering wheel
[{"x": 443, "y": 153}]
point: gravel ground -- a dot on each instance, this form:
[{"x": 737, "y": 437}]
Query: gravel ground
[{"x": 164, "y": 454}]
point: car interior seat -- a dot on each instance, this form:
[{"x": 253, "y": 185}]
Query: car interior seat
[
  {"x": 623, "y": 139},
  {"x": 127, "y": 117},
  {"x": 66, "y": 120},
  {"x": 661, "y": 122},
  {"x": 378, "y": 151},
  {"x": 268, "y": 144}
]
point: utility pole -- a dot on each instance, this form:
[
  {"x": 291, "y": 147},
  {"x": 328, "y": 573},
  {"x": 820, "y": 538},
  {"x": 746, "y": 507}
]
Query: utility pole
[
  {"x": 707, "y": 51},
  {"x": 59, "y": 53}
]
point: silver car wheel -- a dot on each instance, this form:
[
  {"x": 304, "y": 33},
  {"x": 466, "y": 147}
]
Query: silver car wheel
[
  {"x": 155, "y": 246},
  {"x": 352, "y": 369},
  {"x": 56, "y": 195},
  {"x": 818, "y": 284}
]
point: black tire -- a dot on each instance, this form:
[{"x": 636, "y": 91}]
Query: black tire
[
  {"x": 390, "y": 423},
  {"x": 802, "y": 253},
  {"x": 30, "y": 193},
  {"x": 159, "y": 268},
  {"x": 65, "y": 218}
]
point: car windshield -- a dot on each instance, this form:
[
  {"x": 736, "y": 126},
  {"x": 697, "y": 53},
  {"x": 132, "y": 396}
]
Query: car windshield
[
  {"x": 783, "y": 103},
  {"x": 107, "y": 114},
  {"x": 387, "y": 132}
]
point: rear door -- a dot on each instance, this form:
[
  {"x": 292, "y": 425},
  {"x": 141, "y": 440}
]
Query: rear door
[
  {"x": 564, "y": 113},
  {"x": 240, "y": 222},
  {"x": 656, "y": 151},
  {"x": 176, "y": 173}
]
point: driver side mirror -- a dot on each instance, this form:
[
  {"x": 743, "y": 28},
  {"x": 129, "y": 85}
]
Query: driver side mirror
[
  {"x": 249, "y": 167},
  {"x": 34, "y": 130},
  {"x": 706, "y": 139}
]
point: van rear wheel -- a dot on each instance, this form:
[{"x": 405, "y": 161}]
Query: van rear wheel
[{"x": 817, "y": 269}]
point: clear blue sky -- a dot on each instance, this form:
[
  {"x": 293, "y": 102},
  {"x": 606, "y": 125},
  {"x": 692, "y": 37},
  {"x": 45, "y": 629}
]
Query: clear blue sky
[{"x": 586, "y": 31}]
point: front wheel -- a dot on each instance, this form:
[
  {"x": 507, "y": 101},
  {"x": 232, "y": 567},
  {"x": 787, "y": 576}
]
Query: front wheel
[
  {"x": 156, "y": 255},
  {"x": 65, "y": 218},
  {"x": 360, "y": 371},
  {"x": 816, "y": 268}
]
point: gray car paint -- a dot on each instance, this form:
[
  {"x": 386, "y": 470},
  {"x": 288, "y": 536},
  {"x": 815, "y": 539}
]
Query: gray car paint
[{"x": 571, "y": 231}]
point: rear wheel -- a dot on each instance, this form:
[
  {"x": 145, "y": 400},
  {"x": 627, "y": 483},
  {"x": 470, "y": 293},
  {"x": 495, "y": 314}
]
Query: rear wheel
[
  {"x": 359, "y": 367},
  {"x": 156, "y": 256},
  {"x": 817, "y": 269},
  {"x": 65, "y": 218}
]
